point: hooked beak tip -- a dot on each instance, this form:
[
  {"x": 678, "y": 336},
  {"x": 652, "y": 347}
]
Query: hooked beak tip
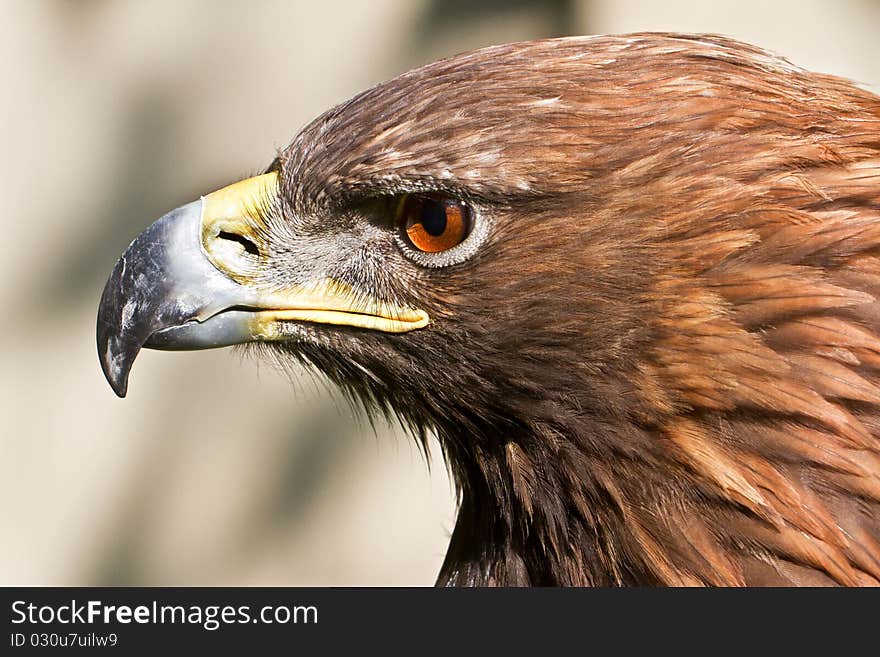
[
  {"x": 115, "y": 352},
  {"x": 116, "y": 367}
]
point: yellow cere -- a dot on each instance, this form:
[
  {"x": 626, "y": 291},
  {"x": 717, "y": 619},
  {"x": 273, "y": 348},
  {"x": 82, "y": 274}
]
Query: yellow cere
[{"x": 230, "y": 210}]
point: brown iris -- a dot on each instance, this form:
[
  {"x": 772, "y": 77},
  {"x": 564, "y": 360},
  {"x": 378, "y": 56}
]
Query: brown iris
[{"x": 434, "y": 223}]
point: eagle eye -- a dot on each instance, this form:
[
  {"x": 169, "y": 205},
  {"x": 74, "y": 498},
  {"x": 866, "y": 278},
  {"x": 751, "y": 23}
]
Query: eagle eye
[{"x": 432, "y": 224}]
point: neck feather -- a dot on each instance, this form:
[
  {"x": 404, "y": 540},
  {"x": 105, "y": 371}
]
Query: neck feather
[{"x": 543, "y": 506}]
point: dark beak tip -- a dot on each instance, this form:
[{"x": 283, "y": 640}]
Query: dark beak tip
[
  {"x": 115, "y": 366},
  {"x": 118, "y": 380},
  {"x": 120, "y": 387},
  {"x": 117, "y": 349}
]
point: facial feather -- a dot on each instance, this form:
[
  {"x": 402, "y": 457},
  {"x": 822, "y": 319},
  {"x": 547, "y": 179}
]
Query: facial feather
[{"x": 662, "y": 365}]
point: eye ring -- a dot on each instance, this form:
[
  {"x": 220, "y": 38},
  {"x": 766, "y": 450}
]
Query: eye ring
[{"x": 433, "y": 224}]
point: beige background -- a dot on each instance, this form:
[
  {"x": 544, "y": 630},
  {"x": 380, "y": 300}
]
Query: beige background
[{"x": 215, "y": 470}]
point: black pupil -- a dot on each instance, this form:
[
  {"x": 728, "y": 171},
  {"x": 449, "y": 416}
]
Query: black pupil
[{"x": 433, "y": 217}]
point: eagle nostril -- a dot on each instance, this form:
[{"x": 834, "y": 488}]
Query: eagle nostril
[{"x": 248, "y": 246}]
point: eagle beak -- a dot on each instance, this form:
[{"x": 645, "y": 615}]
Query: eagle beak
[{"x": 189, "y": 282}]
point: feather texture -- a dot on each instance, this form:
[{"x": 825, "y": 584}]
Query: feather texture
[{"x": 664, "y": 365}]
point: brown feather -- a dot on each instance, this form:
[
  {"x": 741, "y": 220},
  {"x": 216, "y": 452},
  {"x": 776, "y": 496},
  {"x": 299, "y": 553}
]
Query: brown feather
[{"x": 663, "y": 367}]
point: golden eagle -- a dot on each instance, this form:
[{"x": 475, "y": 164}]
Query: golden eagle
[{"x": 630, "y": 282}]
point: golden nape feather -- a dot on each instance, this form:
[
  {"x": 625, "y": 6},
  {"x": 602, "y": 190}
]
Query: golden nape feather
[
  {"x": 647, "y": 275},
  {"x": 764, "y": 372}
]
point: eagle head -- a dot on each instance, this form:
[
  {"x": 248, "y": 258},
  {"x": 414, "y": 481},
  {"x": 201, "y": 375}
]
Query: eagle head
[{"x": 628, "y": 281}]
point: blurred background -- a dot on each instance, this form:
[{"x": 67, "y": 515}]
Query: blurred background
[{"x": 216, "y": 470}]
